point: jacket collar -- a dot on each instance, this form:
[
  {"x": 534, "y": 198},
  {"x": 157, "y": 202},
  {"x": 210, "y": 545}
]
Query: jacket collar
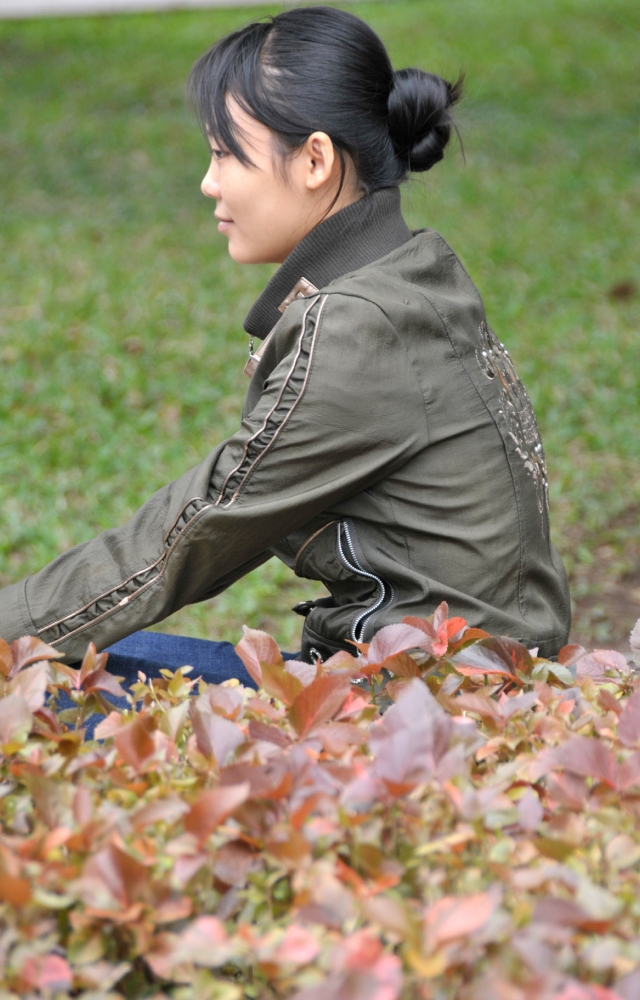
[{"x": 352, "y": 238}]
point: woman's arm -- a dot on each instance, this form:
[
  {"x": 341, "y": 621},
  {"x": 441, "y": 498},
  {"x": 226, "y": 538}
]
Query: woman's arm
[{"x": 337, "y": 411}]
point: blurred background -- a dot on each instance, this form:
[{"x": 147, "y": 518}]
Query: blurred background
[{"x": 121, "y": 341}]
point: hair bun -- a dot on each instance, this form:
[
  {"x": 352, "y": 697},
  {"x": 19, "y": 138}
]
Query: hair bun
[{"x": 420, "y": 121}]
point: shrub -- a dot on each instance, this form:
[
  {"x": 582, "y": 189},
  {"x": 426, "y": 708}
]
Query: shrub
[{"x": 476, "y": 840}]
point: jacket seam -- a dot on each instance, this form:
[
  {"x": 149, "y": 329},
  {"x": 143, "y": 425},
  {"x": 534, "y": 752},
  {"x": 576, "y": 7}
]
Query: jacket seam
[
  {"x": 275, "y": 406},
  {"x": 126, "y": 600},
  {"x": 286, "y": 418}
]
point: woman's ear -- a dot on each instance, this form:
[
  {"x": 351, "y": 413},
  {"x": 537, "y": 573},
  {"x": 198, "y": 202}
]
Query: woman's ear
[{"x": 320, "y": 161}]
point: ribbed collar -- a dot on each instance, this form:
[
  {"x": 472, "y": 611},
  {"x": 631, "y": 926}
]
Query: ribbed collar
[{"x": 352, "y": 238}]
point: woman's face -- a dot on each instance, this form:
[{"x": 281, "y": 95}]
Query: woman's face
[{"x": 264, "y": 211}]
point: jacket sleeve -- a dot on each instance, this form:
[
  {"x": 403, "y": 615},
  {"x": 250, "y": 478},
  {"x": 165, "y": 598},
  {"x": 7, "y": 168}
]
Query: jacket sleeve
[{"x": 339, "y": 409}]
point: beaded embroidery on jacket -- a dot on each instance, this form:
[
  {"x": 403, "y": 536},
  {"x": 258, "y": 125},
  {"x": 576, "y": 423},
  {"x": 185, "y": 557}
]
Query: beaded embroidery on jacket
[{"x": 517, "y": 410}]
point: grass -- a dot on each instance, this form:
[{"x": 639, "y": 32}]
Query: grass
[{"x": 121, "y": 342}]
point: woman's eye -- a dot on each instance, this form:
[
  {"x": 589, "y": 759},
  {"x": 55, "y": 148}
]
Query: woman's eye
[{"x": 218, "y": 154}]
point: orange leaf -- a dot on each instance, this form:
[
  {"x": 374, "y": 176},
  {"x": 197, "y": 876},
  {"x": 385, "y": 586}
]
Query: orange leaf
[
  {"x": 6, "y": 658},
  {"x": 319, "y": 702},
  {"x": 280, "y": 684},
  {"x": 134, "y": 741},
  {"x": 14, "y": 889}
]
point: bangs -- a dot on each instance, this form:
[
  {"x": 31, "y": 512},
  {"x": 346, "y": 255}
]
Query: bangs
[{"x": 232, "y": 68}]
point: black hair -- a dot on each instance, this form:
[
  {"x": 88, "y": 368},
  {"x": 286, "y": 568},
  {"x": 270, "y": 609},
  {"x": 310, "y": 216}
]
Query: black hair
[{"x": 321, "y": 69}]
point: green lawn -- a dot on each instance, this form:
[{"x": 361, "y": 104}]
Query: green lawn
[{"x": 121, "y": 341}]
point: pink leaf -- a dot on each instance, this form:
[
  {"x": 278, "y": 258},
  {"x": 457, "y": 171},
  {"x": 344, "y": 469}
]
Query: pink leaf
[
  {"x": 204, "y": 942},
  {"x": 629, "y": 771},
  {"x": 530, "y": 811},
  {"x": 587, "y": 756},
  {"x": 109, "y": 726},
  {"x": 393, "y": 639},
  {"x": 629, "y": 721},
  {"x": 216, "y": 736},
  {"x": 50, "y": 973},
  {"x": 31, "y": 683},
  {"x": 454, "y": 917},
  {"x": 600, "y": 664},
  {"x": 298, "y": 946},
  {"x": 256, "y": 648},
  {"x": 15, "y": 719}
]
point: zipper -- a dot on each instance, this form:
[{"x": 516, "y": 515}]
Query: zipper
[{"x": 359, "y": 625}]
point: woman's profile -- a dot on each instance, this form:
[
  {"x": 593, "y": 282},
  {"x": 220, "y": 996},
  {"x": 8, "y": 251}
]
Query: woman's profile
[{"x": 386, "y": 446}]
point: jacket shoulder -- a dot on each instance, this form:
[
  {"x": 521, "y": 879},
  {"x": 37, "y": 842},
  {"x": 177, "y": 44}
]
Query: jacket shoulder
[{"x": 425, "y": 265}]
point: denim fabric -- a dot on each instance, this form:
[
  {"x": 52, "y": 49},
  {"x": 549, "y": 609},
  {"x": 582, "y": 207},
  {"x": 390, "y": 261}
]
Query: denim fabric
[{"x": 150, "y": 652}]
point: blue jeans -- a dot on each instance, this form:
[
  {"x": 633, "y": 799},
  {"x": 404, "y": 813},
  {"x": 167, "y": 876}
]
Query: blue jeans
[{"x": 150, "y": 652}]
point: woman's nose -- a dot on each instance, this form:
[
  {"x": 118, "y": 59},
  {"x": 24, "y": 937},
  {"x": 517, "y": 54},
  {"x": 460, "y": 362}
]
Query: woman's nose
[{"x": 210, "y": 187}]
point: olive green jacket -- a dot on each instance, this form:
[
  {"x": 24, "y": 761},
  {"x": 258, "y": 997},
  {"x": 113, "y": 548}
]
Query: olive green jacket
[{"x": 387, "y": 448}]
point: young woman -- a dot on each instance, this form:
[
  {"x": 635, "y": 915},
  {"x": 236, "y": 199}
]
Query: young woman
[{"x": 387, "y": 447}]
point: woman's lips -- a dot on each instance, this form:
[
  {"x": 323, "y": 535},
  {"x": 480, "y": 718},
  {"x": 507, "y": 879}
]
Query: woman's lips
[{"x": 224, "y": 225}]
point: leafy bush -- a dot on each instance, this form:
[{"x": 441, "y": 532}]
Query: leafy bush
[{"x": 476, "y": 840}]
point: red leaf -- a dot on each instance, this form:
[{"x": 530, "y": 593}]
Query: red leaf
[
  {"x": 469, "y": 636},
  {"x": 122, "y": 875},
  {"x": 234, "y": 861},
  {"x": 629, "y": 721},
  {"x": 272, "y": 780},
  {"x": 213, "y": 806},
  {"x": 569, "y": 655},
  {"x": 92, "y": 662},
  {"x": 134, "y": 741},
  {"x": 256, "y": 648},
  {"x": 102, "y": 680},
  {"x": 319, "y": 702},
  {"x": 29, "y": 649},
  {"x": 261, "y": 731}
]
